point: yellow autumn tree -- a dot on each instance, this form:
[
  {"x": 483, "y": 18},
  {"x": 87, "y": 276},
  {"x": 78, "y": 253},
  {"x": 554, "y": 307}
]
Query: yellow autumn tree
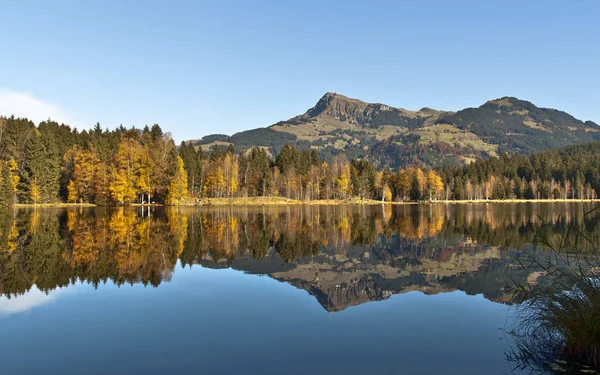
[
  {"x": 14, "y": 174},
  {"x": 215, "y": 180},
  {"x": 230, "y": 174},
  {"x": 343, "y": 182},
  {"x": 125, "y": 173},
  {"x": 387, "y": 193},
  {"x": 9, "y": 179},
  {"x": 178, "y": 183},
  {"x": 83, "y": 183},
  {"x": 234, "y": 181},
  {"x": 121, "y": 189},
  {"x": 102, "y": 184},
  {"x": 435, "y": 186},
  {"x": 34, "y": 192}
]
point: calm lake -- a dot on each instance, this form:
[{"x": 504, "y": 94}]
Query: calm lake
[{"x": 416, "y": 289}]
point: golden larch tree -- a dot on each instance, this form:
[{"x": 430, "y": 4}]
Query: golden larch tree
[
  {"x": 435, "y": 186},
  {"x": 178, "y": 184},
  {"x": 34, "y": 192}
]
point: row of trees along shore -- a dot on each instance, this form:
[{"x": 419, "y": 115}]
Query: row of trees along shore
[
  {"x": 572, "y": 172},
  {"x": 301, "y": 175},
  {"x": 53, "y": 162}
]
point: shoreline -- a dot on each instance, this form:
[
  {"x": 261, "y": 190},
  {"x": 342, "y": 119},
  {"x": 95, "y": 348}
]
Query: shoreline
[
  {"x": 279, "y": 201},
  {"x": 516, "y": 201}
]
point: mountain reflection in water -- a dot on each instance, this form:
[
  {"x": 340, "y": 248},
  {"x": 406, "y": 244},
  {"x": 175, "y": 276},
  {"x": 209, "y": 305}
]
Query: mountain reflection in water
[{"x": 342, "y": 255}]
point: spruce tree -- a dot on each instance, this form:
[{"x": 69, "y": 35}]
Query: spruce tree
[
  {"x": 415, "y": 191},
  {"x": 6, "y": 189},
  {"x": 43, "y": 164}
]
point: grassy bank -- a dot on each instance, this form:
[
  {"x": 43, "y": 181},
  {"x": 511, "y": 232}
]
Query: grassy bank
[
  {"x": 279, "y": 201},
  {"x": 53, "y": 205},
  {"x": 515, "y": 201}
]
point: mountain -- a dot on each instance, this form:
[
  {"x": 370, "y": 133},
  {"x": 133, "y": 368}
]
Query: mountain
[{"x": 397, "y": 137}]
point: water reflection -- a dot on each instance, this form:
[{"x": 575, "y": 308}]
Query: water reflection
[
  {"x": 29, "y": 300},
  {"x": 343, "y": 256}
]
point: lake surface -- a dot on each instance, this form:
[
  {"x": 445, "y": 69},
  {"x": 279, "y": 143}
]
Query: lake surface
[{"x": 287, "y": 290}]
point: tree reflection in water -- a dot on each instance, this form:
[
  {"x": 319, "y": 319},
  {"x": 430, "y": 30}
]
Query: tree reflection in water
[{"x": 342, "y": 255}]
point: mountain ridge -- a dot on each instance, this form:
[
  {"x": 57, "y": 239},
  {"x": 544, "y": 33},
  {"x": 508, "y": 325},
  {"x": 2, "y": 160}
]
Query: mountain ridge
[{"x": 397, "y": 137}]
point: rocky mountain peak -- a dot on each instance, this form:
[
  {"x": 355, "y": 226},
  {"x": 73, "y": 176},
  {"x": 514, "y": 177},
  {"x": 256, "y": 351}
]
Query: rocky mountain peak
[{"x": 335, "y": 105}]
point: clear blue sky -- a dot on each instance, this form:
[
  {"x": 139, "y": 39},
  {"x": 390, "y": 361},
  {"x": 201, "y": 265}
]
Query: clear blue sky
[{"x": 198, "y": 68}]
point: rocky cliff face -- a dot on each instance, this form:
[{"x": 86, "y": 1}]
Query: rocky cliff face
[{"x": 361, "y": 114}]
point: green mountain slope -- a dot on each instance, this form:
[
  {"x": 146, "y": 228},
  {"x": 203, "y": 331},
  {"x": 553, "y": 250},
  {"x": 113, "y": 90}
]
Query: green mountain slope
[{"x": 427, "y": 137}]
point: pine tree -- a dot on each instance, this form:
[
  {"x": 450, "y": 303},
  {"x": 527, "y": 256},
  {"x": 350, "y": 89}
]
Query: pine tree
[
  {"x": 43, "y": 164},
  {"x": 192, "y": 160},
  {"x": 415, "y": 191},
  {"x": 529, "y": 191},
  {"x": 162, "y": 156},
  {"x": 458, "y": 189},
  {"x": 286, "y": 158}
]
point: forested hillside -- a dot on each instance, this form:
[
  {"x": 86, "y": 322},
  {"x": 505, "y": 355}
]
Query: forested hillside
[{"x": 518, "y": 126}]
